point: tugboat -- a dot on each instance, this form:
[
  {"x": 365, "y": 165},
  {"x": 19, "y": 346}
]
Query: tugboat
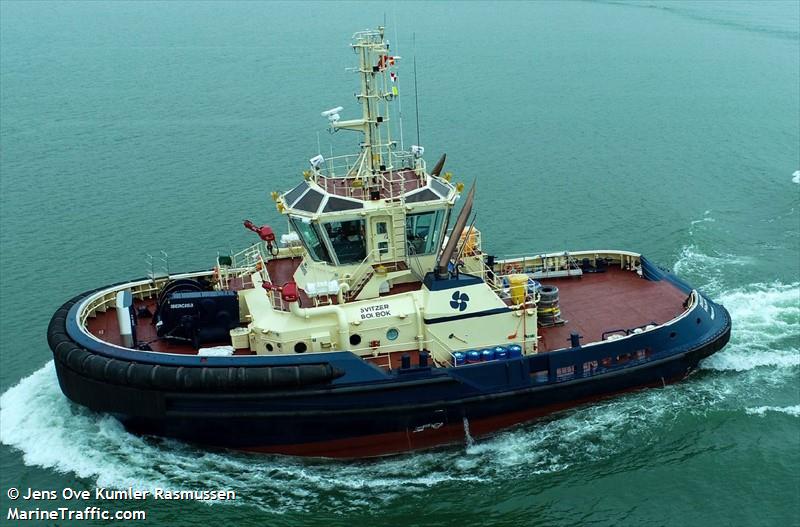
[{"x": 371, "y": 328}]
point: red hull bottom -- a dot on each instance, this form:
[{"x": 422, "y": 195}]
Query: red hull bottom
[{"x": 378, "y": 445}]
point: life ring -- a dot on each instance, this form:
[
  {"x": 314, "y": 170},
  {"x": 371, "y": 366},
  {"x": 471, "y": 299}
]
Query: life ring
[{"x": 512, "y": 269}]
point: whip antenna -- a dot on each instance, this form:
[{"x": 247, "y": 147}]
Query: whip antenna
[
  {"x": 416, "y": 95},
  {"x": 399, "y": 99}
]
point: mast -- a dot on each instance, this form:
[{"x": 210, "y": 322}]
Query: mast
[{"x": 377, "y": 90}]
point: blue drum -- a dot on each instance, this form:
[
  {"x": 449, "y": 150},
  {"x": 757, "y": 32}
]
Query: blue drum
[
  {"x": 500, "y": 353},
  {"x": 459, "y": 357},
  {"x": 515, "y": 351},
  {"x": 488, "y": 354},
  {"x": 473, "y": 356}
]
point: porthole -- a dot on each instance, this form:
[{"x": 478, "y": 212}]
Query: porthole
[
  {"x": 300, "y": 347},
  {"x": 392, "y": 334},
  {"x": 269, "y": 347},
  {"x": 355, "y": 339},
  {"x": 673, "y": 335}
]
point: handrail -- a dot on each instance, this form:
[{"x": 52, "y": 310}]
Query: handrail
[
  {"x": 353, "y": 166},
  {"x": 360, "y": 271},
  {"x": 351, "y": 161},
  {"x": 248, "y": 260},
  {"x": 103, "y": 302},
  {"x": 519, "y": 256}
]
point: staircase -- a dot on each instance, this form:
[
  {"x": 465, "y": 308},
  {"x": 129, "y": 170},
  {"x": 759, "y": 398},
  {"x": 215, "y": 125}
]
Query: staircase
[{"x": 359, "y": 284}]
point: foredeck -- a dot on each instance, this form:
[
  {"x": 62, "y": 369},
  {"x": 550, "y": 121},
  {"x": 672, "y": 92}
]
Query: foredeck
[{"x": 613, "y": 300}]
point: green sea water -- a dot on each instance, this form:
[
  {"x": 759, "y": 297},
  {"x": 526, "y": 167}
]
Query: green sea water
[{"x": 669, "y": 128}]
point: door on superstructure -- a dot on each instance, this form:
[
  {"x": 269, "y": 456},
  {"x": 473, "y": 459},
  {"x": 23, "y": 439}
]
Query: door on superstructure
[{"x": 380, "y": 242}]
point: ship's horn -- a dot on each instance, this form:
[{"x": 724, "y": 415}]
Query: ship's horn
[
  {"x": 437, "y": 168},
  {"x": 458, "y": 228}
]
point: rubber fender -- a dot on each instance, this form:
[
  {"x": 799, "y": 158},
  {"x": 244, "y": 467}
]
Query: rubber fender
[
  {"x": 94, "y": 366},
  {"x": 138, "y": 375},
  {"x": 116, "y": 371}
]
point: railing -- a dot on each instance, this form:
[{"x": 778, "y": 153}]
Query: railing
[
  {"x": 276, "y": 299},
  {"x": 469, "y": 244},
  {"x": 109, "y": 299},
  {"x": 361, "y": 275},
  {"x": 345, "y": 165},
  {"x": 150, "y": 260},
  {"x": 353, "y": 166},
  {"x": 245, "y": 263},
  {"x": 542, "y": 266},
  {"x": 350, "y": 165},
  {"x": 554, "y": 261},
  {"x": 250, "y": 257}
]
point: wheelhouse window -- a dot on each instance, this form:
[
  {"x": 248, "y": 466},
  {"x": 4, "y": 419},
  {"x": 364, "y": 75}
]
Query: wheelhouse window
[
  {"x": 422, "y": 231},
  {"x": 311, "y": 239},
  {"x": 347, "y": 240}
]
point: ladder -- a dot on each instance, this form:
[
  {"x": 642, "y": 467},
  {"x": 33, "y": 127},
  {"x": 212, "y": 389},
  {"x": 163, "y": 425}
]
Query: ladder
[{"x": 399, "y": 240}]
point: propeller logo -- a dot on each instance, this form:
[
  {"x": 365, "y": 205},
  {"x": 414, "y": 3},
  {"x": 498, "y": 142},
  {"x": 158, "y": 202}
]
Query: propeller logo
[{"x": 459, "y": 301}]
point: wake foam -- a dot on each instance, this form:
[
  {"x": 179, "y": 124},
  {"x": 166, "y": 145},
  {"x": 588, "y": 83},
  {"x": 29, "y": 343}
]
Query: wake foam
[
  {"x": 766, "y": 328},
  {"x": 707, "y": 218},
  {"x": 765, "y": 316},
  {"x": 762, "y": 410},
  {"x": 796, "y": 177},
  {"x": 53, "y": 433},
  {"x": 708, "y": 271}
]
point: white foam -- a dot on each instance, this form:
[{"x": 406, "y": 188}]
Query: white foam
[
  {"x": 796, "y": 176},
  {"x": 762, "y": 410},
  {"x": 707, "y": 271},
  {"x": 53, "y": 433},
  {"x": 705, "y": 219},
  {"x": 692, "y": 259},
  {"x": 743, "y": 361},
  {"x": 766, "y": 328}
]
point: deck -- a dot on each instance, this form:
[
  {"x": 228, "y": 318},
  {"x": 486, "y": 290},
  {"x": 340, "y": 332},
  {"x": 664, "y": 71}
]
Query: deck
[
  {"x": 282, "y": 271},
  {"x": 616, "y": 299},
  {"x": 391, "y": 185},
  {"x": 591, "y": 305}
]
